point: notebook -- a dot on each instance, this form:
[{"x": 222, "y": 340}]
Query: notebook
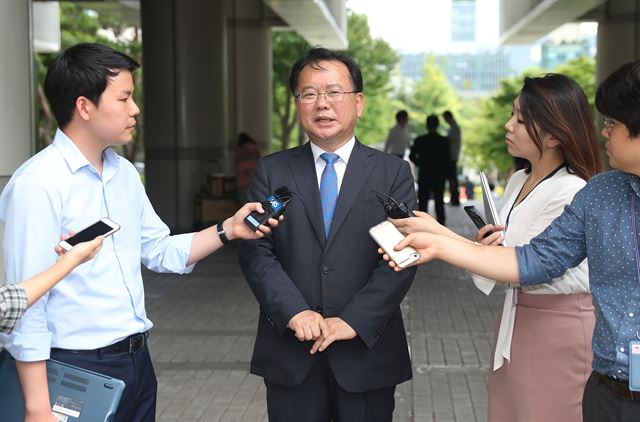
[
  {"x": 490, "y": 212},
  {"x": 76, "y": 394}
]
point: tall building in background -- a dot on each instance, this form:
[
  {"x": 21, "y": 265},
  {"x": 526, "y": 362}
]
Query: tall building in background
[
  {"x": 474, "y": 65},
  {"x": 463, "y": 20},
  {"x": 554, "y": 54},
  {"x": 473, "y": 60}
]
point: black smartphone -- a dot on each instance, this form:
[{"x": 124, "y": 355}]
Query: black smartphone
[{"x": 475, "y": 216}]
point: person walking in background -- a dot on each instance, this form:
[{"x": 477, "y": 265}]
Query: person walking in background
[
  {"x": 601, "y": 224},
  {"x": 430, "y": 152},
  {"x": 399, "y": 138},
  {"x": 246, "y": 154},
  {"x": 331, "y": 344},
  {"x": 455, "y": 143}
]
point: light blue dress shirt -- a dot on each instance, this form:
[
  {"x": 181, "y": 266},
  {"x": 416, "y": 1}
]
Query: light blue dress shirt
[
  {"x": 596, "y": 225},
  {"x": 102, "y": 301}
]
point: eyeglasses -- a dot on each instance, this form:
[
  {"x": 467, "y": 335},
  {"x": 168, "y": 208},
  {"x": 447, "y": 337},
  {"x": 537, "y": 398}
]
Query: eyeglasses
[
  {"x": 609, "y": 123},
  {"x": 332, "y": 96}
]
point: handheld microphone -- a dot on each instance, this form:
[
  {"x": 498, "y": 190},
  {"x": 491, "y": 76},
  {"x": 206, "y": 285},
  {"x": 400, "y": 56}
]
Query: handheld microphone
[
  {"x": 274, "y": 206},
  {"x": 394, "y": 208}
]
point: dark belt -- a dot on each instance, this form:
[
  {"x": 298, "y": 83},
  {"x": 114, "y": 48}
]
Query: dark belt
[
  {"x": 131, "y": 344},
  {"x": 621, "y": 388}
]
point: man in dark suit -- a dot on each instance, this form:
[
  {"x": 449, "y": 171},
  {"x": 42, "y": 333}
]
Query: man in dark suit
[
  {"x": 331, "y": 344},
  {"x": 430, "y": 152}
]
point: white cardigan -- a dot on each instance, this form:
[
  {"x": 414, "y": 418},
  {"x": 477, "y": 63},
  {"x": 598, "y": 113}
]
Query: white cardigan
[{"x": 528, "y": 219}]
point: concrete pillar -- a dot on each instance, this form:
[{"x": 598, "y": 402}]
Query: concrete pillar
[
  {"x": 203, "y": 83},
  {"x": 618, "y": 36},
  {"x": 16, "y": 90},
  {"x": 250, "y": 72},
  {"x": 618, "y": 42}
]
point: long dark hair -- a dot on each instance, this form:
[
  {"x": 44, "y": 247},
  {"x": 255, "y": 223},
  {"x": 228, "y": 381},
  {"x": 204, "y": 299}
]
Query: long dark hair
[{"x": 556, "y": 105}]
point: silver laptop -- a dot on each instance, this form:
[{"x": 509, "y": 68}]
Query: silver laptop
[{"x": 76, "y": 394}]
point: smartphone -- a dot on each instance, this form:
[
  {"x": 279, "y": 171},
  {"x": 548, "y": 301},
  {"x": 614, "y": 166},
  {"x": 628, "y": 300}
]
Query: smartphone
[
  {"x": 388, "y": 236},
  {"x": 103, "y": 227},
  {"x": 477, "y": 219}
]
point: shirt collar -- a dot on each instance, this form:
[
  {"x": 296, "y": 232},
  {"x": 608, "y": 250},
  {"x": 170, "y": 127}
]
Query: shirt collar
[
  {"x": 344, "y": 152},
  {"x": 634, "y": 182},
  {"x": 76, "y": 160}
]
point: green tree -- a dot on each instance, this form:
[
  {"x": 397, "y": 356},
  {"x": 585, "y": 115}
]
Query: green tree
[
  {"x": 287, "y": 48},
  {"x": 376, "y": 60},
  {"x": 484, "y": 146},
  {"x": 433, "y": 94},
  {"x": 78, "y": 25}
]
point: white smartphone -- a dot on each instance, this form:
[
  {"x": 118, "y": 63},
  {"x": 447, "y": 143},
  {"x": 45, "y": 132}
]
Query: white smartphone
[
  {"x": 388, "y": 236},
  {"x": 103, "y": 227}
]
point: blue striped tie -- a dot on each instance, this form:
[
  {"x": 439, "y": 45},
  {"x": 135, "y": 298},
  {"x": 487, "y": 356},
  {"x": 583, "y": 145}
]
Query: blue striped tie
[{"x": 328, "y": 189}]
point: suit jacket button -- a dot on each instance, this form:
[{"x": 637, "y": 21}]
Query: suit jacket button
[{"x": 325, "y": 270}]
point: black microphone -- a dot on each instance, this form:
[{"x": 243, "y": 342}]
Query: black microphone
[
  {"x": 274, "y": 206},
  {"x": 393, "y": 208}
]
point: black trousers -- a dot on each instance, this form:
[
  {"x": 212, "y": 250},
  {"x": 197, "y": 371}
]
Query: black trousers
[
  {"x": 429, "y": 184},
  {"x": 320, "y": 399},
  {"x": 138, "y": 402},
  {"x": 452, "y": 177},
  {"x": 600, "y": 404}
]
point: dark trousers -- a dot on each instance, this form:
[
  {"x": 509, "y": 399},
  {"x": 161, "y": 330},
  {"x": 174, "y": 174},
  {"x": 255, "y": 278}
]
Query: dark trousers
[
  {"x": 435, "y": 185},
  {"x": 600, "y": 404},
  {"x": 138, "y": 402},
  {"x": 320, "y": 399},
  {"x": 452, "y": 177}
]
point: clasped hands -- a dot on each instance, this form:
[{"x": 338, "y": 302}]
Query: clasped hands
[{"x": 310, "y": 325}]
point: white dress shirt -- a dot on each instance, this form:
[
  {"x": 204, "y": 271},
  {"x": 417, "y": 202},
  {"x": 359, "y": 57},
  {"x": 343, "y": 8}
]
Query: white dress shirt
[
  {"x": 340, "y": 165},
  {"x": 528, "y": 219},
  {"x": 101, "y": 301},
  {"x": 398, "y": 140},
  {"x": 455, "y": 141}
]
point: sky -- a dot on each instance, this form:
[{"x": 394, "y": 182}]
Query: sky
[{"x": 414, "y": 26}]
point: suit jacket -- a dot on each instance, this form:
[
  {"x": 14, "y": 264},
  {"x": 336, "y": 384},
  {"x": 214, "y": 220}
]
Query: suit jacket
[
  {"x": 296, "y": 269},
  {"x": 430, "y": 152}
]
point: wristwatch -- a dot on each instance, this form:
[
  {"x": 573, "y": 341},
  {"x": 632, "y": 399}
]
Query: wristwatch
[{"x": 222, "y": 234}]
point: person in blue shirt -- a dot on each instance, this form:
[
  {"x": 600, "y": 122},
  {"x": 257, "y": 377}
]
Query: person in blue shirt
[
  {"x": 95, "y": 318},
  {"x": 601, "y": 224}
]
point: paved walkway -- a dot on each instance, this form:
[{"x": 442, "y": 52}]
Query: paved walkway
[{"x": 205, "y": 326}]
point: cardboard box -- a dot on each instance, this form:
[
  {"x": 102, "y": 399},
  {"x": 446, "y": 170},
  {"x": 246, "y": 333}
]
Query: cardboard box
[
  {"x": 215, "y": 209},
  {"x": 221, "y": 185}
]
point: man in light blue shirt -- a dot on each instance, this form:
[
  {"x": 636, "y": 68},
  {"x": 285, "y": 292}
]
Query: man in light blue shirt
[{"x": 96, "y": 317}]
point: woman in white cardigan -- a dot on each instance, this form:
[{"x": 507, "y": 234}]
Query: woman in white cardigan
[{"x": 541, "y": 357}]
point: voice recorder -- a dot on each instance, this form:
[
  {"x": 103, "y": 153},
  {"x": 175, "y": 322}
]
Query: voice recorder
[{"x": 274, "y": 206}]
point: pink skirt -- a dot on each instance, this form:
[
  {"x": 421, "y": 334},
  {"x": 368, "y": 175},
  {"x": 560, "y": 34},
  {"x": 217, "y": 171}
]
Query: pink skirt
[{"x": 550, "y": 360}]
